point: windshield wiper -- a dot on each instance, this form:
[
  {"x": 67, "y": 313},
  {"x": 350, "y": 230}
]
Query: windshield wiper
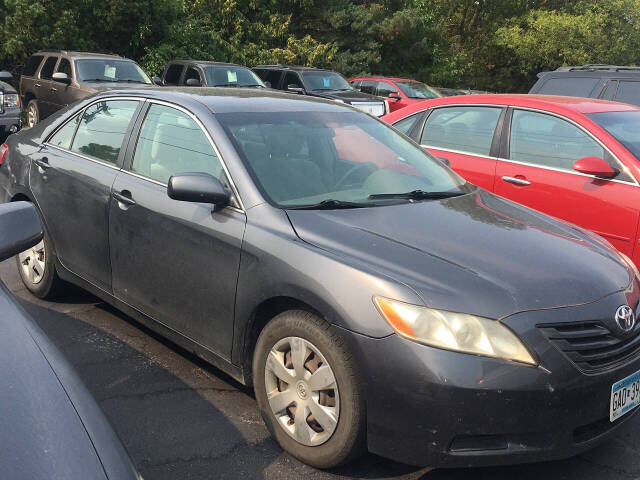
[
  {"x": 330, "y": 204},
  {"x": 416, "y": 195},
  {"x": 226, "y": 85}
]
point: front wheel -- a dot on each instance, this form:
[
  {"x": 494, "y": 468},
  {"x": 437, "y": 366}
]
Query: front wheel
[{"x": 308, "y": 390}]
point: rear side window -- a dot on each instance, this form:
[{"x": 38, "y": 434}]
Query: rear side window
[
  {"x": 171, "y": 143},
  {"x": 47, "y": 68},
  {"x": 549, "y": 141},
  {"x": 103, "y": 128},
  {"x": 569, "y": 86},
  {"x": 32, "y": 65},
  {"x": 406, "y": 124},
  {"x": 173, "y": 74},
  {"x": 628, "y": 92},
  {"x": 610, "y": 90},
  {"x": 467, "y": 129},
  {"x": 64, "y": 136}
]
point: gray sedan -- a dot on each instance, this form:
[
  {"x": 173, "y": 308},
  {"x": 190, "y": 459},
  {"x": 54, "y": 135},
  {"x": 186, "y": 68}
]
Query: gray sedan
[{"x": 373, "y": 298}]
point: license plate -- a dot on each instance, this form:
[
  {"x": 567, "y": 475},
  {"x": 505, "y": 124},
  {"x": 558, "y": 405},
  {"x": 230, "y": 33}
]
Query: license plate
[{"x": 625, "y": 396}]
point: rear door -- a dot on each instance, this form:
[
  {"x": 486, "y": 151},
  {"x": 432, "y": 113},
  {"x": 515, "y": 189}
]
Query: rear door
[
  {"x": 175, "y": 261},
  {"x": 71, "y": 180},
  {"x": 43, "y": 87},
  {"x": 537, "y": 172},
  {"x": 467, "y": 136}
]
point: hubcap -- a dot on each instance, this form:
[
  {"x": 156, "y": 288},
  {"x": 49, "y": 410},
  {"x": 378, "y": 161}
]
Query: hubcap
[
  {"x": 32, "y": 116},
  {"x": 302, "y": 391},
  {"x": 33, "y": 263}
]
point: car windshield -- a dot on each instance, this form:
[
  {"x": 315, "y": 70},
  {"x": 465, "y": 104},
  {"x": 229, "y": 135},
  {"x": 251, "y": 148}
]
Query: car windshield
[
  {"x": 624, "y": 126},
  {"x": 323, "y": 80},
  {"x": 417, "y": 90},
  {"x": 344, "y": 159},
  {"x": 108, "y": 70},
  {"x": 231, "y": 76}
]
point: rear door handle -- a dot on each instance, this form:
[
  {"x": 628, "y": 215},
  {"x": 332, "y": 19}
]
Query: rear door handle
[
  {"x": 42, "y": 163},
  {"x": 516, "y": 181},
  {"x": 54, "y": 90},
  {"x": 37, "y": 85},
  {"x": 124, "y": 197}
]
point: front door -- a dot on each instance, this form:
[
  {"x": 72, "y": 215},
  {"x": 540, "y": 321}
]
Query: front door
[
  {"x": 71, "y": 178},
  {"x": 539, "y": 173},
  {"x": 175, "y": 261}
]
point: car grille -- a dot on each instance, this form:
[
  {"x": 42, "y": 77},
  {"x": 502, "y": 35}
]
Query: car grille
[
  {"x": 591, "y": 345},
  {"x": 374, "y": 108}
]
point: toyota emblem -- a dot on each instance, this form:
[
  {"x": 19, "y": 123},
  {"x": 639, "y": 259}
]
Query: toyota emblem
[{"x": 625, "y": 318}]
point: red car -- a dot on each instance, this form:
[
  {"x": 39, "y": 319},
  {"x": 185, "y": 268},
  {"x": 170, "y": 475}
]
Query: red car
[
  {"x": 400, "y": 92},
  {"x": 573, "y": 158}
]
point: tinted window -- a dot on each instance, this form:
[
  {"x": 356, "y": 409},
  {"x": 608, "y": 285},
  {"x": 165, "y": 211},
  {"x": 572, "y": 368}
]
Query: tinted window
[
  {"x": 610, "y": 90},
  {"x": 384, "y": 89},
  {"x": 173, "y": 74},
  {"x": 418, "y": 90},
  {"x": 549, "y": 141},
  {"x": 407, "y": 124},
  {"x": 64, "y": 67},
  {"x": 47, "y": 68},
  {"x": 291, "y": 78},
  {"x": 64, "y": 136},
  {"x": 468, "y": 129},
  {"x": 624, "y": 126},
  {"x": 302, "y": 158},
  {"x": 102, "y": 129},
  {"x": 171, "y": 143},
  {"x": 271, "y": 76},
  {"x": 570, "y": 86},
  {"x": 628, "y": 92},
  {"x": 323, "y": 80},
  {"x": 369, "y": 86},
  {"x": 32, "y": 65},
  {"x": 191, "y": 73},
  {"x": 232, "y": 76}
]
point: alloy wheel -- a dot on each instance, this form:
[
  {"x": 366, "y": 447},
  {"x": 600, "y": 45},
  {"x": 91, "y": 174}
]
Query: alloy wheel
[
  {"x": 32, "y": 115},
  {"x": 302, "y": 391},
  {"x": 33, "y": 263}
]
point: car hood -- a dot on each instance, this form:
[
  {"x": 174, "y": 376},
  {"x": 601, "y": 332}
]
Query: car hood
[
  {"x": 477, "y": 253},
  {"x": 99, "y": 86},
  {"x": 6, "y": 88},
  {"x": 348, "y": 96}
]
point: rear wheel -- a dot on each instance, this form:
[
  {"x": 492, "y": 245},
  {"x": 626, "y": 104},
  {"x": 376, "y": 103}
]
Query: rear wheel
[
  {"x": 33, "y": 113},
  {"x": 308, "y": 390}
]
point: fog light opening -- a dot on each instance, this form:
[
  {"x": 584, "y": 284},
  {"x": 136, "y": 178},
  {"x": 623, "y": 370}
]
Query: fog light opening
[{"x": 475, "y": 443}]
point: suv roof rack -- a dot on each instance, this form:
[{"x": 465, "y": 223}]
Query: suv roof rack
[
  {"x": 285, "y": 66},
  {"x": 597, "y": 67},
  {"x": 75, "y": 52}
]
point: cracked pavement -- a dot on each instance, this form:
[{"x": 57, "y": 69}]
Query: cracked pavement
[{"x": 181, "y": 418}]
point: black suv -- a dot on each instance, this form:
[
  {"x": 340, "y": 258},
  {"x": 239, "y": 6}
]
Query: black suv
[
  {"x": 607, "y": 82},
  {"x": 200, "y": 73},
  {"x": 54, "y": 79},
  {"x": 320, "y": 83},
  {"x": 10, "y": 113}
]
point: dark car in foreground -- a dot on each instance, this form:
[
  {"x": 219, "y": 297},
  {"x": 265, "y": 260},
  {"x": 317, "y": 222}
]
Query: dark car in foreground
[
  {"x": 10, "y": 110},
  {"x": 50, "y": 426},
  {"x": 54, "y": 79},
  {"x": 200, "y": 73},
  {"x": 606, "y": 82},
  {"x": 373, "y": 298},
  {"x": 320, "y": 83}
]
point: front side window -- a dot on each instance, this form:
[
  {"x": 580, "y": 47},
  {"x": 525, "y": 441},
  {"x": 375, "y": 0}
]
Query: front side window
[
  {"x": 192, "y": 73},
  {"x": 65, "y": 67},
  {"x": 303, "y": 158},
  {"x": 47, "y": 69},
  {"x": 171, "y": 143},
  {"x": 369, "y": 86},
  {"x": 323, "y": 80},
  {"x": 103, "y": 128},
  {"x": 384, "y": 89},
  {"x": 628, "y": 92},
  {"x": 98, "y": 70},
  {"x": 549, "y": 141},
  {"x": 231, "y": 76},
  {"x": 172, "y": 76},
  {"x": 271, "y": 76},
  {"x": 413, "y": 89},
  {"x": 291, "y": 78},
  {"x": 466, "y": 129}
]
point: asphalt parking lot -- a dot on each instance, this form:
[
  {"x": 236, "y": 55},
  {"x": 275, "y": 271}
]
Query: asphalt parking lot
[{"x": 182, "y": 419}]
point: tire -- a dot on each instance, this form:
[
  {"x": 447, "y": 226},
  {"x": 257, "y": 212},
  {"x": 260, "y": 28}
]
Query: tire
[
  {"x": 33, "y": 113},
  {"x": 37, "y": 269},
  {"x": 338, "y": 435}
]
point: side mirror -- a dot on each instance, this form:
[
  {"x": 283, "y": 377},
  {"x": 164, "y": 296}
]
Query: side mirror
[
  {"x": 394, "y": 96},
  {"x": 61, "y": 77},
  {"x": 444, "y": 161},
  {"x": 267, "y": 83},
  {"x": 198, "y": 188},
  {"x": 193, "y": 82},
  {"x": 295, "y": 88},
  {"x": 156, "y": 80},
  {"x": 20, "y": 228},
  {"x": 5, "y": 76},
  {"x": 595, "y": 166}
]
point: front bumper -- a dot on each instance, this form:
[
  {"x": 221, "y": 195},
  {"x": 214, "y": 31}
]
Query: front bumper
[
  {"x": 10, "y": 120},
  {"x": 427, "y": 406}
]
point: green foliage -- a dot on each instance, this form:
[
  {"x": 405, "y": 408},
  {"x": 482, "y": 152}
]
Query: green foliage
[{"x": 483, "y": 44}]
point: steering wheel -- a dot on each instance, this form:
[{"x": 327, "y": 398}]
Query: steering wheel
[{"x": 351, "y": 171}]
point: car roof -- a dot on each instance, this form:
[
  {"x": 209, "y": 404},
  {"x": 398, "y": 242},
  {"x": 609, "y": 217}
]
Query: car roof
[
  {"x": 382, "y": 77},
  {"x": 71, "y": 53},
  {"x": 292, "y": 67},
  {"x": 552, "y": 103}
]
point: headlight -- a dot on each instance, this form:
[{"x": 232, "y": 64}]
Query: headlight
[
  {"x": 454, "y": 331},
  {"x": 630, "y": 263},
  {"x": 11, "y": 100}
]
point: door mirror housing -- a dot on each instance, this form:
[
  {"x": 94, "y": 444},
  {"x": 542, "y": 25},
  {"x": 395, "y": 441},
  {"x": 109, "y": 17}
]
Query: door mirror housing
[
  {"x": 595, "y": 166},
  {"x": 61, "y": 77},
  {"x": 198, "y": 188},
  {"x": 5, "y": 76},
  {"x": 156, "y": 80},
  {"x": 193, "y": 82},
  {"x": 295, "y": 88},
  {"x": 20, "y": 228},
  {"x": 267, "y": 83},
  {"x": 394, "y": 96}
]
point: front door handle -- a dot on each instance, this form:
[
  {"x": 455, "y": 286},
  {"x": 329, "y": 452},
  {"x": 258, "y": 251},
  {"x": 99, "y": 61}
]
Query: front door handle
[
  {"x": 516, "y": 181},
  {"x": 42, "y": 163},
  {"x": 124, "y": 197},
  {"x": 37, "y": 85}
]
